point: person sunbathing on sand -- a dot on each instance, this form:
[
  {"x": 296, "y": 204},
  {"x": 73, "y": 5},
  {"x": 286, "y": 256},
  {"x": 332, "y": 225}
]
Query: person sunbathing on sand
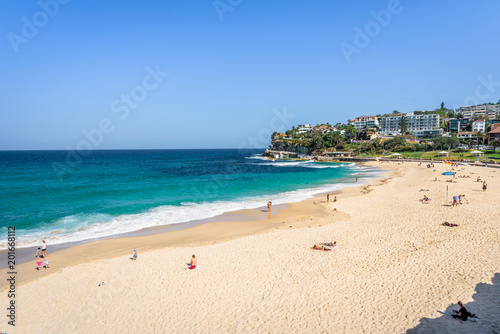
[
  {"x": 331, "y": 244},
  {"x": 318, "y": 247},
  {"x": 449, "y": 224}
]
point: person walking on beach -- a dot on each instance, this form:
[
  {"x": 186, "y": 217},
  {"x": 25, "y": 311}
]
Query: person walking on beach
[
  {"x": 47, "y": 263},
  {"x": 44, "y": 248},
  {"x": 134, "y": 257},
  {"x": 485, "y": 185},
  {"x": 193, "y": 263},
  {"x": 328, "y": 198},
  {"x": 39, "y": 264},
  {"x": 269, "y": 206},
  {"x": 37, "y": 254}
]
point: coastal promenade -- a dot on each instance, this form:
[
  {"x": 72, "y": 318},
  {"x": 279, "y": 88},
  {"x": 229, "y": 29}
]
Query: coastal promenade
[{"x": 395, "y": 268}]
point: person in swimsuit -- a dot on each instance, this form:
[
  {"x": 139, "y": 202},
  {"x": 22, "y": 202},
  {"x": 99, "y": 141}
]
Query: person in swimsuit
[
  {"x": 318, "y": 247},
  {"x": 39, "y": 265},
  {"x": 193, "y": 262},
  {"x": 485, "y": 185}
]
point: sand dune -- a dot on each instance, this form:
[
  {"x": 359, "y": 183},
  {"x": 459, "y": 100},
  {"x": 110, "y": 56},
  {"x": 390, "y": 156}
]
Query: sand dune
[{"x": 395, "y": 267}]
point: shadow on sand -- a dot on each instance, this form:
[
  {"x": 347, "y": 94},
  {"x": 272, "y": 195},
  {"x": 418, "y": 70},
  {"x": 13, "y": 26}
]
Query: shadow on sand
[{"x": 486, "y": 306}]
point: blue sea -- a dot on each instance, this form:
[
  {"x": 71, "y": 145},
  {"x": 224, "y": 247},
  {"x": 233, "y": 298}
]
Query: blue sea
[{"x": 62, "y": 197}]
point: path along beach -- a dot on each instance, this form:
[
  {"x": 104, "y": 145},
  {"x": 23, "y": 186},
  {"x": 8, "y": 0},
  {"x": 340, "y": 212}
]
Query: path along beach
[{"x": 394, "y": 268}]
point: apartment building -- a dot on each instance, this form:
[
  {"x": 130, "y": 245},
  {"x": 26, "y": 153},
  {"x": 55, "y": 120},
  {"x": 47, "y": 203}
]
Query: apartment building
[
  {"x": 364, "y": 122},
  {"x": 482, "y": 110},
  {"x": 421, "y": 125},
  {"x": 457, "y": 125}
]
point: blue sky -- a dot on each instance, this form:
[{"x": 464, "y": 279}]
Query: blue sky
[{"x": 232, "y": 65}]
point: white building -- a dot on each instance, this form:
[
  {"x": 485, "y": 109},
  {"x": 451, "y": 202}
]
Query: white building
[
  {"x": 303, "y": 128},
  {"x": 423, "y": 125},
  {"x": 478, "y": 126},
  {"x": 467, "y": 135}
]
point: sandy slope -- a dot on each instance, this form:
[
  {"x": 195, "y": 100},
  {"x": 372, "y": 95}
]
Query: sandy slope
[{"x": 395, "y": 267}]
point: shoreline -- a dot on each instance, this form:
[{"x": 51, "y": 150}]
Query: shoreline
[
  {"x": 199, "y": 232},
  {"x": 232, "y": 210}
]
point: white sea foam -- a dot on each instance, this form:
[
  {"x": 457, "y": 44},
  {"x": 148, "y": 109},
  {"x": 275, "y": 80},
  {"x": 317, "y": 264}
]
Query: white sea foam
[
  {"x": 303, "y": 163},
  {"x": 257, "y": 157},
  {"x": 77, "y": 228}
]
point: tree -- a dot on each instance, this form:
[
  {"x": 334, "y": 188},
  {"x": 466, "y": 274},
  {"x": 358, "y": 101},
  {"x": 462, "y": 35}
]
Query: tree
[
  {"x": 377, "y": 145},
  {"x": 395, "y": 112},
  {"x": 446, "y": 143},
  {"x": 442, "y": 105},
  {"x": 350, "y": 131},
  {"x": 334, "y": 139},
  {"x": 495, "y": 144},
  {"x": 480, "y": 137},
  {"x": 403, "y": 125},
  {"x": 394, "y": 143},
  {"x": 317, "y": 142}
]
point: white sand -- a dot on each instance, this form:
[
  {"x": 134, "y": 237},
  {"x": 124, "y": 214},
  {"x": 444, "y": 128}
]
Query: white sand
[{"x": 395, "y": 267}]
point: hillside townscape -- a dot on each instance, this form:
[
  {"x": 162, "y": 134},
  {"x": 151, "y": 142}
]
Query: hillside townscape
[{"x": 467, "y": 133}]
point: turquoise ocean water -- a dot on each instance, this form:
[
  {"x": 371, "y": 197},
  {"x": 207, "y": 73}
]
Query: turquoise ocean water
[{"x": 54, "y": 196}]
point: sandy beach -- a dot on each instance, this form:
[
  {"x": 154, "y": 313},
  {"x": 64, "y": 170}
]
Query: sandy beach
[{"x": 395, "y": 268}]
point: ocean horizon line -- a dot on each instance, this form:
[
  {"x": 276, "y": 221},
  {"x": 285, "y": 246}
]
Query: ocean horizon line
[{"x": 135, "y": 149}]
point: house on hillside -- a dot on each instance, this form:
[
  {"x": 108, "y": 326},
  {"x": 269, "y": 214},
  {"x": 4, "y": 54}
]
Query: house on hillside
[
  {"x": 466, "y": 135},
  {"x": 494, "y": 134},
  {"x": 304, "y": 128}
]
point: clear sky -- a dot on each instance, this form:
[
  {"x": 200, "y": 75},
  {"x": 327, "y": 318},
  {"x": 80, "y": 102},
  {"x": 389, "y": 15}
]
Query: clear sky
[{"x": 75, "y": 67}]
